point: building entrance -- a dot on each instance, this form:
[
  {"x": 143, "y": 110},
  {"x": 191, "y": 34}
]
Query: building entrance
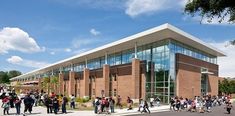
[{"x": 204, "y": 84}]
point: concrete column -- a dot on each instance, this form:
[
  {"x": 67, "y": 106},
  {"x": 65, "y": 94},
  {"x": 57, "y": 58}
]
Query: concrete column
[
  {"x": 106, "y": 58},
  {"x": 61, "y": 83},
  {"x": 71, "y": 83},
  {"x": 106, "y": 70},
  {"x": 136, "y": 78},
  {"x": 84, "y": 90},
  {"x": 136, "y": 50}
]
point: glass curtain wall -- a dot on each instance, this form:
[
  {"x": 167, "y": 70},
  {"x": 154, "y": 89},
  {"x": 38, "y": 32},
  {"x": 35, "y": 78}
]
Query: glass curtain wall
[{"x": 157, "y": 56}]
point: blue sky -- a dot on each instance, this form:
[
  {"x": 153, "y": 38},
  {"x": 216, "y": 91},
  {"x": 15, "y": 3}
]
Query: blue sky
[{"x": 36, "y": 33}]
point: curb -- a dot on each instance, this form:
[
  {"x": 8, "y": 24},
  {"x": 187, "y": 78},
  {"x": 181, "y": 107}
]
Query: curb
[{"x": 133, "y": 113}]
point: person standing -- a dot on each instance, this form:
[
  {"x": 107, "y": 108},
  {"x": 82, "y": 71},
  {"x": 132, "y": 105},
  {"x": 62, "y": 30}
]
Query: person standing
[
  {"x": 96, "y": 103},
  {"x": 111, "y": 104},
  {"x": 28, "y": 103},
  {"x": 6, "y": 105},
  {"x": 64, "y": 102},
  {"x": 55, "y": 105},
  {"x": 72, "y": 102},
  {"x": 17, "y": 105},
  {"x": 48, "y": 104}
]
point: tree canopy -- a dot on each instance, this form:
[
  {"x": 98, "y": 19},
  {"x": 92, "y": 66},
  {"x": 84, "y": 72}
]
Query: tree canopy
[
  {"x": 227, "y": 86},
  {"x": 6, "y": 76},
  {"x": 212, "y": 8}
]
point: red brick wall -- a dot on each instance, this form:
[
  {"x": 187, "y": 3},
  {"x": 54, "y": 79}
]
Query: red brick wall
[{"x": 188, "y": 72}]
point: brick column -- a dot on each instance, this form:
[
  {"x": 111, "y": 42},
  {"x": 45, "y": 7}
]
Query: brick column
[
  {"x": 213, "y": 85},
  {"x": 136, "y": 78},
  {"x": 71, "y": 83},
  {"x": 40, "y": 84},
  {"x": 106, "y": 70},
  {"x": 84, "y": 90},
  {"x": 61, "y": 83}
]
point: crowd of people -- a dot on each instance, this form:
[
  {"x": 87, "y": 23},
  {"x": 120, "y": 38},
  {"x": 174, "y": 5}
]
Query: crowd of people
[
  {"x": 52, "y": 102},
  {"x": 200, "y": 104},
  {"x": 106, "y": 105}
]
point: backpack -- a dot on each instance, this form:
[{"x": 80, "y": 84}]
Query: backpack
[
  {"x": 65, "y": 99},
  {"x": 97, "y": 103}
]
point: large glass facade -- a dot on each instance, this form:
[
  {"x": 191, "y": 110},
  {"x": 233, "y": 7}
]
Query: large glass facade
[{"x": 160, "y": 64}]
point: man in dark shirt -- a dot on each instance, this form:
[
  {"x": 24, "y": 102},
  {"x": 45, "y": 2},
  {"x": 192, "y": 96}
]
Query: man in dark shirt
[{"x": 28, "y": 103}]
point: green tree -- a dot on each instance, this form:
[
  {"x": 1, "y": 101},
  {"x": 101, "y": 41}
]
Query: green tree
[
  {"x": 13, "y": 73},
  {"x": 6, "y": 76},
  {"x": 227, "y": 86},
  {"x": 212, "y": 8}
]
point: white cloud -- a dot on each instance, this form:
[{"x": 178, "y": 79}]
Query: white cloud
[
  {"x": 76, "y": 43},
  {"x": 94, "y": 32},
  {"x": 52, "y": 53},
  {"x": 16, "y": 60},
  {"x": 81, "y": 51},
  {"x": 17, "y": 40},
  {"x": 67, "y": 50},
  {"x": 226, "y": 65},
  {"x": 138, "y": 7}
]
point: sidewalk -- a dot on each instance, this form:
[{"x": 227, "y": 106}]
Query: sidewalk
[{"x": 41, "y": 111}]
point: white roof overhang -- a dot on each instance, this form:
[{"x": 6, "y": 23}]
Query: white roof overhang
[{"x": 161, "y": 32}]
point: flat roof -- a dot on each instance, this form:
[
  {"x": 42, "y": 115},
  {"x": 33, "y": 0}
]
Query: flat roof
[{"x": 161, "y": 32}]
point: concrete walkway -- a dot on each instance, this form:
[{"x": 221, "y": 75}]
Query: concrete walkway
[{"x": 41, "y": 111}]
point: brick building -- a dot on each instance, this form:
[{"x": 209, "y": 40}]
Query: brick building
[{"x": 163, "y": 61}]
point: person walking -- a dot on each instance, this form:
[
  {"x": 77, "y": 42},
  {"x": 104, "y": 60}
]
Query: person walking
[
  {"x": 146, "y": 107},
  {"x": 141, "y": 104},
  {"x": 129, "y": 103},
  {"x": 119, "y": 99},
  {"x": 72, "y": 102},
  {"x": 6, "y": 105},
  {"x": 229, "y": 107},
  {"x": 17, "y": 105}
]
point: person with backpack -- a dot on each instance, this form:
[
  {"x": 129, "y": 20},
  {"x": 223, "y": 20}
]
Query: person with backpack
[
  {"x": 64, "y": 102},
  {"x": 96, "y": 105},
  {"x": 102, "y": 104},
  {"x": 6, "y": 105},
  {"x": 55, "y": 105},
  {"x": 48, "y": 104},
  {"x": 107, "y": 106}
]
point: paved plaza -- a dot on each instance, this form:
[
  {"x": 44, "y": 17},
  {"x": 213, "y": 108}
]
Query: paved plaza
[
  {"x": 41, "y": 111},
  {"x": 162, "y": 110},
  {"x": 216, "y": 111}
]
